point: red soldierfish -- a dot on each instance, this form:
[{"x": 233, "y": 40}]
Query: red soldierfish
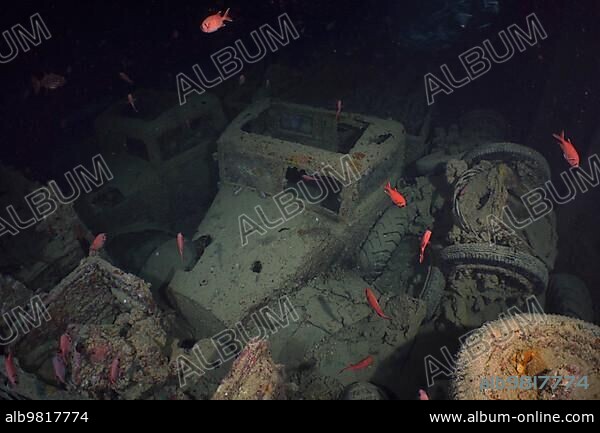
[
  {"x": 423, "y": 395},
  {"x": 114, "y": 371},
  {"x": 180, "y": 244},
  {"x": 131, "y": 101},
  {"x": 338, "y": 111},
  {"x": 65, "y": 346},
  {"x": 568, "y": 149},
  {"x": 214, "y": 22},
  {"x": 424, "y": 242},
  {"x": 397, "y": 198},
  {"x": 360, "y": 366},
  {"x": 11, "y": 369},
  {"x": 98, "y": 243},
  {"x": 123, "y": 76},
  {"x": 59, "y": 367},
  {"x": 375, "y": 304}
]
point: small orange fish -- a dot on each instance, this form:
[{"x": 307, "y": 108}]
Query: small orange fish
[
  {"x": 65, "y": 346},
  {"x": 338, "y": 112},
  {"x": 396, "y": 197},
  {"x": 48, "y": 82},
  {"x": 359, "y": 366},
  {"x": 180, "y": 244},
  {"x": 569, "y": 151},
  {"x": 309, "y": 178},
  {"x": 123, "y": 76},
  {"x": 214, "y": 22},
  {"x": 375, "y": 304},
  {"x": 131, "y": 101},
  {"x": 114, "y": 371},
  {"x": 424, "y": 242},
  {"x": 11, "y": 370},
  {"x": 98, "y": 243}
]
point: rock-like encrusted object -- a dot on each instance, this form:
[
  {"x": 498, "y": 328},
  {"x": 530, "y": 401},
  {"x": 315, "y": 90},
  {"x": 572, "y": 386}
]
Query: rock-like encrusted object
[
  {"x": 487, "y": 190},
  {"x": 94, "y": 293},
  {"x": 528, "y": 346},
  {"x": 253, "y": 376},
  {"x": 119, "y": 342},
  {"x": 135, "y": 345}
]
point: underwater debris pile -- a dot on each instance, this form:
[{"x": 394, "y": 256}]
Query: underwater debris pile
[
  {"x": 125, "y": 357},
  {"x": 488, "y": 261},
  {"x": 550, "y": 345},
  {"x": 118, "y": 338},
  {"x": 498, "y": 174}
]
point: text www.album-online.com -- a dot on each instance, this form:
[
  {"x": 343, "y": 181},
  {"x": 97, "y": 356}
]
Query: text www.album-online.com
[{"x": 534, "y": 417}]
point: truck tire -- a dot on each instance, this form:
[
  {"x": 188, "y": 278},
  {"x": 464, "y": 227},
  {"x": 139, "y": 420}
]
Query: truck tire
[
  {"x": 508, "y": 151},
  {"x": 432, "y": 292},
  {"x": 498, "y": 256},
  {"x": 382, "y": 241}
]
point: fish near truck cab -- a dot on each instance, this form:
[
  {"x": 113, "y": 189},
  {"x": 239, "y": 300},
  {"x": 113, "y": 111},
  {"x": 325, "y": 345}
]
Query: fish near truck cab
[
  {"x": 298, "y": 191},
  {"x": 161, "y": 160}
]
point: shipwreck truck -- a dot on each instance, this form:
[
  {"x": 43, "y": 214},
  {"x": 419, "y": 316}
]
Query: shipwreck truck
[{"x": 299, "y": 190}]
